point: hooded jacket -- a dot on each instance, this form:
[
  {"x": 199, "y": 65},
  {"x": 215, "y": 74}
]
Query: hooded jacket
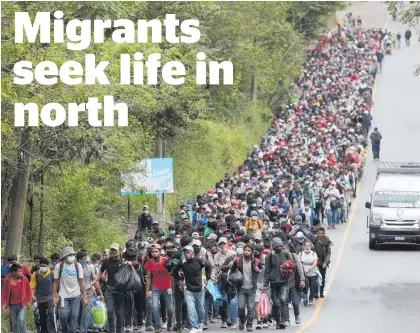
[
  {"x": 26, "y": 297},
  {"x": 322, "y": 247}
]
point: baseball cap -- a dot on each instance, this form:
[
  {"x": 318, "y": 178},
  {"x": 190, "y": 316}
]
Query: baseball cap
[
  {"x": 188, "y": 248},
  {"x": 196, "y": 242},
  {"x": 212, "y": 236},
  {"x": 299, "y": 234},
  {"x": 115, "y": 246},
  {"x": 223, "y": 240},
  {"x": 195, "y": 235}
]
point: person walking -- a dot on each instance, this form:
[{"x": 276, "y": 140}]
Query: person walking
[
  {"x": 332, "y": 195},
  {"x": 279, "y": 286},
  {"x": 114, "y": 298},
  {"x": 376, "y": 138},
  {"x": 159, "y": 283},
  {"x": 192, "y": 267},
  {"x": 309, "y": 261},
  {"x": 249, "y": 266},
  {"x": 42, "y": 286},
  {"x": 144, "y": 222},
  {"x": 69, "y": 290},
  {"x": 16, "y": 295},
  {"x": 322, "y": 247}
]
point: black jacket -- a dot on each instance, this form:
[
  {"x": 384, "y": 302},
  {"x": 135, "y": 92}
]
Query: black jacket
[
  {"x": 376, "y": 137},
  {"x": 145, "y": 222},
  {"x": 192, "y": 270},
  {"x": 273, "y": 262},
  {"x": 322, "y": 247}
]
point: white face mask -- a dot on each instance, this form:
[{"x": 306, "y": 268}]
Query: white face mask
[{"x": 70, "y": 259}]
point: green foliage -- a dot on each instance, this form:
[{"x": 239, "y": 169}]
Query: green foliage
[{"x": 207, "y": 129}]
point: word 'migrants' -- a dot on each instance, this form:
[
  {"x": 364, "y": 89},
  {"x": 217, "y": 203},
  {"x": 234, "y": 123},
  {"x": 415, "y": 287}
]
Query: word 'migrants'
[{"x": 79, "y": 34}]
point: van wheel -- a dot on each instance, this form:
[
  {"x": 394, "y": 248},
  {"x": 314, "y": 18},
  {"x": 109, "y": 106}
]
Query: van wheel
[{"x": 371, "y": 245}]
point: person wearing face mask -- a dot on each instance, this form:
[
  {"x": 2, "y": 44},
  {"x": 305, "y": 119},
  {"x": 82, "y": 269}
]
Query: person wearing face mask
[
  {"x": 219, "y": 260},
  {"x": 69, "y": 290},
  {"x": 42, "y": 287},
  {"x": 10, "y": 261},
  {"x": 192, "y": 267},
  {"x": 114, "y": 299},
  {"x": 249, "y": 266},
  {"x": 144, "y": 222},
  {"x": 254, "y": 223},
  {"x": 16, "y": 295},
  {"x": 89, "y": 275},
  {"x": 309, "y": 260},
  {"x": 55, "y": 258},
  {"x": 279, "y": 287},
  {"x": 157, "y": 230},
  {"x": 143, "y": 307}
]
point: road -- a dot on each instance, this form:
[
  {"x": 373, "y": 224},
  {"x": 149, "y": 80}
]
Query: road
[
  {"x": 375, "y": 291},
  {"x": 378, "y": 291}
]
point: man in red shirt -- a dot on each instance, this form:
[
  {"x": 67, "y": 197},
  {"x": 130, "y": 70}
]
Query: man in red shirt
[
  {"x": 159, "y": 283},
  {"x": 352, "y": 157}
]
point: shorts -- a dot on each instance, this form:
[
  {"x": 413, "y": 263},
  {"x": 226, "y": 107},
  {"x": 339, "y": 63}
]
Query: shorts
[{"x": 259, "y": 293}]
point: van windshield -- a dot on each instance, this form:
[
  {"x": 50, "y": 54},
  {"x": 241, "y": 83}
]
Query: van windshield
[{"x": 397, "y": 199}]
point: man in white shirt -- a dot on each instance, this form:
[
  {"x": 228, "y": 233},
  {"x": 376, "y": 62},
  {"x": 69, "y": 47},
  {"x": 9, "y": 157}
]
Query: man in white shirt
[{"x": 332, "y": 195}]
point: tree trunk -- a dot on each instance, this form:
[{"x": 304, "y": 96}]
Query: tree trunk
[
  {"x": 6, "y": 191},
  {"x": 254, "y": 87},
  {"x": 31, "y": 220},
  {"x": 41, "y": 222},
  {"x": 14, "y": 235}
]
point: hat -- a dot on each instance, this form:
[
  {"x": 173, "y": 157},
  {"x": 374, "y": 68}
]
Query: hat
[
  {"x": 155, "y": 246},
  {"x": 68, "y": 251},
  {"x": 258, "y": 236},
  {"x": 223, "y": 240},
  {"x": 276, "y": 242},
  {"x": 240, "y": 244},
  {"x": 115, "y": 246},
  {"x": 196, "y": 242},
  {"x": 195, "y": 235},
  {"x": 155, "y": 222},
  {"x": 188, "y": 248},
  {"x": 300, "y": 234},
  {"x": 258, "y": 247},
  {"x": 145, "y": 207},
  {"x": 212, "y": 236}
]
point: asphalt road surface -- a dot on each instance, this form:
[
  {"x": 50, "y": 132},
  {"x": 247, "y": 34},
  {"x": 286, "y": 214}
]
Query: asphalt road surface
[{"x": 375, "y": 291}]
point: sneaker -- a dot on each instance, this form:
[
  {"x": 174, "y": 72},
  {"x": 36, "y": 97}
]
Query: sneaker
[
  {"x": 333, "y": 227},
  {"x": 179, "y": 329},
  {"x": 164, "y": 326},
  {"x": 290, "y": 306},
  {"x": 194, "y": 330},
  {"x": 322, "y": 295},
  {"x": 158, "y": 330},
  {"x": 298, "y": 320},
  {"x": 136, "y": 328},
  {"x": 259, "y": 325},
  {"x": 205, "y": 328},
  {"x": 249, "y": 329},
  {"x": 287, "y": 323},
  {"x": 241, "y": 327},
  {"x": 213, "y": 320},
  {"x": 149, "y": 329},
  {"x": 265, "y": 325},
  {"x": 200, "y": 328},
  {"x": 329, "y": 227},
  {"x": 316, "y": 296},
  {"x": 224, "y": 325},
  {"x": 280, "y": 327},
  {"x": 311, "y": 302},
  {"x": 170, "y": 328},
  {"x": 234, "y": 327}
]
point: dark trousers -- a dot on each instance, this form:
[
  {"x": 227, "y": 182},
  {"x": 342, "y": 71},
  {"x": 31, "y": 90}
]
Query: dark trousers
[
  {"x": 114, "y": 300},
  {"x": 279, "y": 295},
  {"x": 128, "y": 305},
  {"x": 143, "y": 308},
  {"x": 323, "y": 272},
  {"x": 246, "y": 299},
  {"x": 46, "y": 317},
  {"x": 295, "y": 297},
  {"x": 181, "y": 315},
  {"x": 375, "y": 150},
  {"x": 312, "y": 289}
]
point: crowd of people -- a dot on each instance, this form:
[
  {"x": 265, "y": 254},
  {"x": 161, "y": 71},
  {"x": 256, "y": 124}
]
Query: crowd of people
[{"x": 260, "y": 232}]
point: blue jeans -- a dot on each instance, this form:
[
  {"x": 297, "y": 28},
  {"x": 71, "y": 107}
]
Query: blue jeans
[
  {"x": 295, "y": 297},
  {"x": 18, "y": 314},
  {"x": 246, "y": 298},
  {"x": 344, "y": 213},
  {"x": 279, "y": 295},
  {"x": 86, "y": 311},
  {"x": 332, "y": 217},
  {"x": 156, "y": 293},
  {"x": 195, "y": 306},
  {"x": 69, "y": 314}
]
